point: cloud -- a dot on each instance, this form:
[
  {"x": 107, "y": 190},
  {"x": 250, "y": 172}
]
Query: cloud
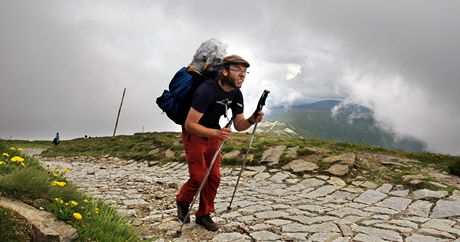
[{"x": 63, "y": 65}]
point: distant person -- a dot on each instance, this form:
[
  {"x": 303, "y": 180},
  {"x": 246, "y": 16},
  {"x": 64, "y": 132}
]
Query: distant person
[{"x": 56, "y": 140}]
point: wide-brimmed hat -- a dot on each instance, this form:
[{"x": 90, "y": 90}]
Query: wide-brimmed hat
[{"x": 235, "y": 59}]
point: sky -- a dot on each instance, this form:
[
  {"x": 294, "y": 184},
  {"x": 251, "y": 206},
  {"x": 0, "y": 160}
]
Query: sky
[{"x": 64, "y": 64}]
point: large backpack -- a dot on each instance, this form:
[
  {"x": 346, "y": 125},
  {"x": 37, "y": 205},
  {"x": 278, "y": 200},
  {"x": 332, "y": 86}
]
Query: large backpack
[{"x": 176, "y": 101}]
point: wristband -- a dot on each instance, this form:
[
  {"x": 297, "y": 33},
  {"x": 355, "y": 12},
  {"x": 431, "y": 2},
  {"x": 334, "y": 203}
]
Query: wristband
[{"x": 249, "y": 121}]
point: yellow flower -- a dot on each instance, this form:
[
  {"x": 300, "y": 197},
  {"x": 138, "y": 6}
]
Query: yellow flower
[
  {"x": 85, "y": 200},
  {"x": 57, "y": 171},
  {"x": 58, "y": 183},
  {"x": 65, "y": 170},
  {"x": 6, "y": 154},
  {"x": 73, "y": 203},
  {"x": 20, "y": 149},
  {"x": 17, "y": 159},
  {"x": 12, "y": 148},
  {"x": 58, "y": 200},
  {"x": 2, "y": 162},
  {"x": 97, "y": 210},
  {"x": 77, "y": 216}
]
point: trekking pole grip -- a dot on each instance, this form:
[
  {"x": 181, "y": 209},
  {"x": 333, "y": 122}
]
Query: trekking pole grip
[{"x": 261, "y": 103}]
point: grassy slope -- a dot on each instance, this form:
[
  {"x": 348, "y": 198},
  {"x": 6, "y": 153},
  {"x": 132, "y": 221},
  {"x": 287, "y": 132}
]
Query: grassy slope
[{"x": 140, "y": 147}]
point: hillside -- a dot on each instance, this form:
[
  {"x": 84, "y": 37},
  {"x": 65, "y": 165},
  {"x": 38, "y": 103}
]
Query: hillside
[
  {"x": 352, "y": 123},
  {"x": 163, "y": 147}
]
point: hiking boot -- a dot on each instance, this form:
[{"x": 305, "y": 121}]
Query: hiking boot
[
  {"x": 207, "y": 222},
  {"x": 182, "y": 210}
]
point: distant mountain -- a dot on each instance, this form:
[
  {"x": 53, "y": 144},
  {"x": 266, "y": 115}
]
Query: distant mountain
[{"x": 349, "y": 123}]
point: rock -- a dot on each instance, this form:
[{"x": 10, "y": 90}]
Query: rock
[
  {"x": 264, "y": 236},
  {"x": 446, "y": 209},
  {"x": 301, "y": 166},
  {"x": 154, "y": 151},
  {"x": 256, "y": 168},
  {"x": 279, "y": 177},
  {"x": 337, "y": 181},
  {"x": 231, "y": 155},
  {"x": 231, "y": 237},
  {"x": 370, "y": 197},
  {"x": 385, "y": 188},
  {"x": 393, "y": 163},
  {"x": 420, "y": 208},
  {"x": 46, "y": 226},
  {"x": 455, "y": 195},
  {"x": 273, "y": 155},
  {"x": 396, "y": 203},
  {"x": 368, "y": 184},
  {"x": 344, "y": 159},
  {"x": 292, "y": 152},
  {"x": 312, "y": 182},
  {"x": 436, "y": 184},
  {"x": 425, "y": 238},
  {"x": 262, "y": 176},
  {"x": 407, "y": 178},
  {"x": 379, "y": 233},
  {"x": 249, "y": 173},
  {"x": 425, "y": 193},
  {"x": 338, "y": 170},
  {"x": 169, "y": 153}
]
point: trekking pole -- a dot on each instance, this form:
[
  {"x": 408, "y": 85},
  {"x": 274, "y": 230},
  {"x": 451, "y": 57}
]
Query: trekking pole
[
  {"x": 260, "y": 104},
  {"x": 179, "y": 232}
]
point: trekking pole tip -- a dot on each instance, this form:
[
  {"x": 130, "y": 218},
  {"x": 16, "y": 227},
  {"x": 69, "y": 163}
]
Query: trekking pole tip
[{"x": 229, "y": 208}]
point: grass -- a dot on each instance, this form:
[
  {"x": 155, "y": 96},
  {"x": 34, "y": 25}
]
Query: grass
[
  {"x": 13, "y": 227},
  {"x": 25, "y": 179}
]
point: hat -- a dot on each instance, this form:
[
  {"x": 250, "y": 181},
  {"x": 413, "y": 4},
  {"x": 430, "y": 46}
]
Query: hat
[{"x": 235, "y": 59}]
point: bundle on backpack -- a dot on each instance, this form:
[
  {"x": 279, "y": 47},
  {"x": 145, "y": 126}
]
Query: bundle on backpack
[{"x": 176, "y": 101}]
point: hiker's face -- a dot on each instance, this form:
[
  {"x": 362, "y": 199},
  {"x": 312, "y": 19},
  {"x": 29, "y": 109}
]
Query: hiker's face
[{"x": 236, "y": 74}]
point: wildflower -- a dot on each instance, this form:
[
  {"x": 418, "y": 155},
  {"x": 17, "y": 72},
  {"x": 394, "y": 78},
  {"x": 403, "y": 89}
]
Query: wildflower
[
  {"x": 97, "y": 210},
  {"x": 20, "y": 149},
  {"x": 58, "y": 183},
  {"x": 57, "y": 171},
  {"x": 65, "y": 170},
  {"x": 73, "y": 203},
  {"x": 2, "y": 162},
  {"x": 85, "y": 200},
  {"x": 58, "y": 200},
  {"x": 17, "y": 159},
  {"x": 6, "y": 154},
  {"x": 12, "y": 148},
  {"x": 77, "y": 216}
]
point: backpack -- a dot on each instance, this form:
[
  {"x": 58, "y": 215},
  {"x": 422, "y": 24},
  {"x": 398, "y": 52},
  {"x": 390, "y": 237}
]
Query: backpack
[{"x": 176, "y": 101}]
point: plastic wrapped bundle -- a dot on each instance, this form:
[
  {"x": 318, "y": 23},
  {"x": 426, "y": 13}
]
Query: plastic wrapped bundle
[{"x": 208, "y": 57}]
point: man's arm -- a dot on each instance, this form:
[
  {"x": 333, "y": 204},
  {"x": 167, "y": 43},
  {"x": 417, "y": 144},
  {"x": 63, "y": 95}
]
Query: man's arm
[{"x": 193, "y": 127}]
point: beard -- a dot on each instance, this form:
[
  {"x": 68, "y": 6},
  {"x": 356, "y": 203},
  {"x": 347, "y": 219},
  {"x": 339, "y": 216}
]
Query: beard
[{"x": 228, "y": 80}]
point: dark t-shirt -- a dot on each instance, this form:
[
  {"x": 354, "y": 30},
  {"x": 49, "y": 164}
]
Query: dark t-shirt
[{"x": 211, "y": 100}]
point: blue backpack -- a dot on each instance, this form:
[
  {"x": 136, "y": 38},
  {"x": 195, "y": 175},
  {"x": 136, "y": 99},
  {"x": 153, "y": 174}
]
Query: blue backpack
[{"x": 176, "y": 101}]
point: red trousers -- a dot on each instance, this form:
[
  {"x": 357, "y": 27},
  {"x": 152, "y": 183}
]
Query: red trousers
[{"x": 199, "y": 152}]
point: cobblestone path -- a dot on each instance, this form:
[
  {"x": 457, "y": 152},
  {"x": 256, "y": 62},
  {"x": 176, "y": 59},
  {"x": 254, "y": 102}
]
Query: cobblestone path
[{"x": 270, "y": 205}]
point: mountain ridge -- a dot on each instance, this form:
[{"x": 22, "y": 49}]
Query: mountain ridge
[{"x": 349, "y": 123}]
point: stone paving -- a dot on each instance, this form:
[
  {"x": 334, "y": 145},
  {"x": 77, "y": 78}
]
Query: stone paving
[{"x": 270, "y": 204}]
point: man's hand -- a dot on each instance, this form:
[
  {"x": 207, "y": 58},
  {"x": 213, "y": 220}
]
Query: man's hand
[
  {"x": 223, "y": 133},
  {"x": 257, "y": 118}
]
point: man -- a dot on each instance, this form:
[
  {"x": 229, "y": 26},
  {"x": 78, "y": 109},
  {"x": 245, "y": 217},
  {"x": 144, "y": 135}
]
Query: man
[
  {"x": 56, "y": 139},
  {"x": 202, "y": 135}
]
